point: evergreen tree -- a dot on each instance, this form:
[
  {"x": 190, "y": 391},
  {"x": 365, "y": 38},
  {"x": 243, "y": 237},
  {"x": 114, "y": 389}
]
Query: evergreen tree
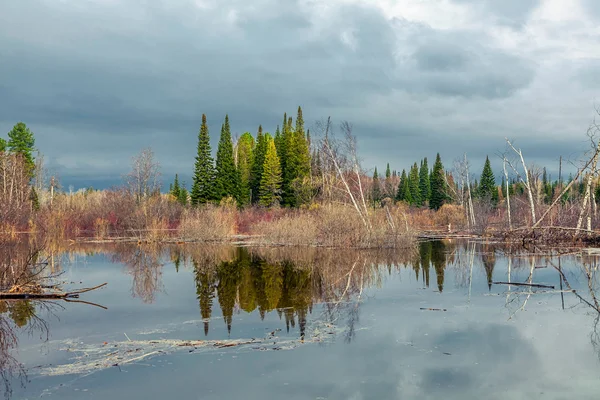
[
  {"x": 245, "y": 160},
  {"x": 226, "y": 178},
  {"x": 413, "y": 183},
  {"x": 203, "y": 189},
  {"x": 376, "y": 189},
  {"x": 296, "y": 165},
  {"x": 182, "y": 198},
  {"x": 438, "y": 185},
  {"x": 389, "y": 190},
  {"x": 424, "y": 184},
  {"x": 270, "y": 183},
  {"x": 21, "y": 142},
  {"x": 2, "y": 145},
  {"x": 487, "y": 184},
  {"x": 547, "y": 187},
  {"x": 174, "y": 188},
  {"x": 404, "y": 189},
  {"x": 257, "y": 165},
  {"x": 278, "y": 141}
]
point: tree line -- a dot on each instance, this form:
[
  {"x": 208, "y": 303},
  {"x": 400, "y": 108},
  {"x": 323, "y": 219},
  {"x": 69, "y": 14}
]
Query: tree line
[{"x": 267, "y": 170}]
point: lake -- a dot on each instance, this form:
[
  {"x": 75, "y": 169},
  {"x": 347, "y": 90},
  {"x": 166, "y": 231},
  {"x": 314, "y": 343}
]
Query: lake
[{"x": 439, "y": 320}]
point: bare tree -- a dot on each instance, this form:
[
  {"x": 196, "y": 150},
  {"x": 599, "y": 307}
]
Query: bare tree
[
  {"x": 143, "y": 180},
  {"x": 343, "y": 157},
  {"x": 525, "y": 180}
]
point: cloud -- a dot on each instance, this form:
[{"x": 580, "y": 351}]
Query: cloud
[{"x": 103, "y": 79}]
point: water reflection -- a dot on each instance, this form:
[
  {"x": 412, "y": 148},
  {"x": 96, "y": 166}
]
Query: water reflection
[{"x": 303, "y": 285}]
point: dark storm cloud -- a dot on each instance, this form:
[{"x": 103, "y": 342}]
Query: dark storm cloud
[
  {"x": 470, "y": 69},
  {"x": 99, "y": 80}
]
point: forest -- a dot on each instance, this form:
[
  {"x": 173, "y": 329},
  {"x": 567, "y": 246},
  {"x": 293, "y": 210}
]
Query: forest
[{"x": 297, "y": 187}]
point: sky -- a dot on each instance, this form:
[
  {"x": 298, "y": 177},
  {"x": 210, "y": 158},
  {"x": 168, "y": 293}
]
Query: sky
[{"x": 99, "y": 80}]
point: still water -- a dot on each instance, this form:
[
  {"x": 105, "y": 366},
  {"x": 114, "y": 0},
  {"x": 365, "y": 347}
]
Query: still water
[{"x": 204, "y": 322}]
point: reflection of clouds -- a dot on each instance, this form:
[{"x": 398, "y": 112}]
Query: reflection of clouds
[{"x": 481, "y": 357}]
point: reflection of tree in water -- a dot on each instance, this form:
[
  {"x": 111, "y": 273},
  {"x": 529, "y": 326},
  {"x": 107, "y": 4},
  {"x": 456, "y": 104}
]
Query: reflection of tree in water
[
  {"x": 488, "y": 257},
  {"x": 206, "y": 283},
  {"x": 144, "y": 264},
  {"x": 16, "y": 315},
  {"x": 438, "y": 259},
  {"x": 285, "y": 281},
  {"x": 425, "y": 258}
]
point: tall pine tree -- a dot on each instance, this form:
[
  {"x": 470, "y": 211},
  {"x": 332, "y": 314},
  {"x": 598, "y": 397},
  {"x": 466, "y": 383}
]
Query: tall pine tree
[
  {"x": 257, "y": 165},
  {"x": 424, "y": 184},
  {"x": 203, "y": 189},
  {"x": 376, "y": 189},
  {"x": 21, "y": 142},
  {"x": 487, "y": 185},
  {"x": 245, "y": 160},
  {"x": 404, "y": 189},
  {"x": 389, "y": 190},
  {"x": 439, "y": 193},
  {"x": 296, "y": 161},
  {"x": 226, "y": 178},
  {"x": 270, "y": 183},
  {"x": 413, "y": 182}
]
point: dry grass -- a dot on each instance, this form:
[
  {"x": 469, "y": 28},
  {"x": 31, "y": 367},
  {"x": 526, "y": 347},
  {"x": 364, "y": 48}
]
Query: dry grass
[
  {"x": 209, "y": 223},
  {"x": 336, "y": 226}
]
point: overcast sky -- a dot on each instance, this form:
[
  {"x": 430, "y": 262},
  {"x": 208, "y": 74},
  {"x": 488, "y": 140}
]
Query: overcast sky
[{"x": 98, "y": 80}]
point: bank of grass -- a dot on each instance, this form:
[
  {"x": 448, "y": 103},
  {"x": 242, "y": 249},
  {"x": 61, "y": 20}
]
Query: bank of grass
[{"x": 106, "y": 216}]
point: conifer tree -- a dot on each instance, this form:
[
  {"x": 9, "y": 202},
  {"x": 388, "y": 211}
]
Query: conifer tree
[
  {"x": 270, "y": 183},
  {"x": 404, "y": 193},
  {"x": 376, "y": 189},
  {"x": 487, "y": 185},
  {"x": 245, "y": 160},
  {"x": 257, "y": 165},
  {"x": 438, "y": 185},
  {"x": 424, "y": 184},
  {"x": 226, "y": 178},
  {"x": 296, "y": 166},
  {"x": 2, "y": 145},
  {"x": 203, "y": 189},
  {"x": 182, "y": 198},
  {"x": 278, "y": 141},
  {"x": 174, "y": 191},
  {"x": 389, "y": 190},
  {"x": 413, "y": 182},
  {"x": 21, "y": 142},
  {"x": 400, "y": 192}
]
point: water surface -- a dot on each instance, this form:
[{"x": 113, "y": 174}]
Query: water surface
[{"x": 212, "y": 322}]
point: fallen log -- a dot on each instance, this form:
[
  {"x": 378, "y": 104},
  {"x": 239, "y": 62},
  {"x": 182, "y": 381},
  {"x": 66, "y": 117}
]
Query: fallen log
[
  {"x": 15, "y": 295},
  {"x": 524, "y": 284}
]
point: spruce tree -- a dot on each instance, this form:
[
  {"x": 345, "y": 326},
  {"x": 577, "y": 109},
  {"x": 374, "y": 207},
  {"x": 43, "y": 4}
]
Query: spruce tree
[
  {"x": 270, "y": 184},
  {"x": 182, "y": 198},
  {"x": 174, "y": 191},
  {"x": 403, "y": 193},
  {"x": 226, "y": 178},
  {"x": 487, "y": 185},
  {"x": 424, "y": 184},
  {"x": 245, "y": 160},
  {"x": 2, "y": 145},
  {"x": 376, "y": 189},
  {"x": 438, "y": 185},
  {"x": 413, "y": 182},
  {"x": 296, "y": 166},
  {"x": 389, "y": 190},
  {"x": 203, "y": 189},
  {"x": 21, "y": 142},
  {"x": 257, "y": 165},
  {"x": 400, "y": 190}
]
